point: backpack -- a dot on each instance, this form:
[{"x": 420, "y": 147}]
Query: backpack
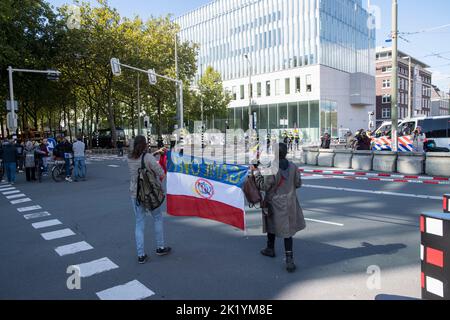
[
  {"x": 251, "y": 191},
  {"x": 150, "y": 193},
  {"x": 29, "y": 159}
]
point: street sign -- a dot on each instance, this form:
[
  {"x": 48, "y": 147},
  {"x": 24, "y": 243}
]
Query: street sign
[
  {"x": 11, "y": 122},
  {"x": 152, "y": 77},
  {"x": 115, "y": 67},
  {"x": 8, "y": 105}
]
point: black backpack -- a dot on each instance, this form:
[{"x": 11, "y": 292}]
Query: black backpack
[{"x": 150, "y": 193}]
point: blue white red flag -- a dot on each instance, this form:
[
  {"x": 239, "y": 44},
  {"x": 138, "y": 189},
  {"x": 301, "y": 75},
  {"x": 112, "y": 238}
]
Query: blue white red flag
[{"x": 206, "y": 190}]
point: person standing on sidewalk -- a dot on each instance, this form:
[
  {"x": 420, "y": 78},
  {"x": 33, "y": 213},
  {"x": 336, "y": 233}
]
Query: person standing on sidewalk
[
  {"x": 139, "y": 152},
  {"x": 64, "y": 151},
  {"x": 283, "y": 215},
  {"x": 79, "y": 159},
  {"x": 9, "y": 155},
  {"x": 20, "y": 157}
]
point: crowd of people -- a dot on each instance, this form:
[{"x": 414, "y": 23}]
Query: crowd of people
[{"x": 34, "y": 157}]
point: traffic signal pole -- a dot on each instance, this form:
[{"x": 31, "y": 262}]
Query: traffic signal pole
[{"x": 394, "y": 82}]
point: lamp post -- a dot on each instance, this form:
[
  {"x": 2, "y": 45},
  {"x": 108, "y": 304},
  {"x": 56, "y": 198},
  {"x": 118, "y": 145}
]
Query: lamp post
[
  {"x": 394, "y": 94},
  {"x": 250, "y": 70}
]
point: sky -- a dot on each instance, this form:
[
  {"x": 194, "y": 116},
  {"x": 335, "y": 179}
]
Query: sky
[{"x": 414, "y": 16}]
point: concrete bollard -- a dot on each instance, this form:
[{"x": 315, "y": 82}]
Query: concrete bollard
[
  {"x": 384, "y": 161},
  {"x": 343, "y": 159},
  {"x": 435, "y": 254},
  {"x": 362, "y": 160},
  {"x": 325, "y": 158},
  {"x": 438, "y": 164},
  {"x": 312, "y": 156},
  {"x": 411, "y": 163}
]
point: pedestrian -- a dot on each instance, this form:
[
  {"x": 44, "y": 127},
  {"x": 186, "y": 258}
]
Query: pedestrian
[
  {"x": 64, "y": 151},
  {"x": 138, "y": 155},
  {"x": 30, "y": 161},
  {"x": 43, "y": 154},
  {"x": 326, "y": 141},
  {"x": 283, "y": 215},
  {"x": 9, "y": 156},
  {"x": 79, "y": 148},
  {"x": 419, "y": 139},
  {"x": 20, "y": 157},
  {"x": 120, "y": 148},
  {"x": 363, "y": 142}
]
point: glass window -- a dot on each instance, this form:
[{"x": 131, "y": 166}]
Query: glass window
[
  {"x": 386, "y": 113},
  {"x": 297, "y": 85},
  {"x": 386, "y": 99},
  {"x": 287, "y": 86},
  {"x": 258, "y": 89},
  {"x": 293, "y": 115},
  {"x": 234, "y": 93},
  {"x": 304, "y": 115},
  {"x": 273, "y": 116},
  {"x": 263, "y": 117},
  {"x": 268, "y": 88},
  {"x": 308, "y": 83},
  {"x": 282, "y": 116},
  {"x": 242, "y": 92},
  {"x": 277, "y": 87}
]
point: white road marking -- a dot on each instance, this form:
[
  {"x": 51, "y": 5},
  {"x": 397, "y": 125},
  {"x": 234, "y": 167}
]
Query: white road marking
[
  {"x": 57, "y": 234},
  {"x": 5, "y": 186},
  {"x": 73, "y": 248},
  {"x": 385, "y": 193},
  {"x": 15, "y": 196},
  {"x": 11, "y": 192},
  {"x": 97, "y": 266},
  {"x": 325, "y": 222},
  {"x": 45, "y": 224},
  {"x": 36, "y": 215},
  {"x": 113, "y": 166},
  {"x": 20, "y": 201},
  {"x": 7, "y": 189},
  {"x": 26, "y": 209},
  {"x": 133, "y": 290}
]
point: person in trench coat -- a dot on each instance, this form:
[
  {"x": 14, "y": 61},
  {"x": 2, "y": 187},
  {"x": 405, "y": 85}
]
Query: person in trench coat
[{"x": 282, "y": 213}]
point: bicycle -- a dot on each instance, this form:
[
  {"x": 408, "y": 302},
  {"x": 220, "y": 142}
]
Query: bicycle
[{"x": 59, "y": 170}]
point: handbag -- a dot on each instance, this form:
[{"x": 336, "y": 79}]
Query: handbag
[
  {"x": 251, "y": 191},
  {"x": 266, "y": 201}
]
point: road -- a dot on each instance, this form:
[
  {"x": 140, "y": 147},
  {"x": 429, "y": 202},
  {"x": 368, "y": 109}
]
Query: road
[{"x": 347, "y": 232}]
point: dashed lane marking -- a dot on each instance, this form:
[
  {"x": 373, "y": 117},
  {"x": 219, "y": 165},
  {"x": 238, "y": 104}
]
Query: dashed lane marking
[
  {"x": 46, "y": 224},
  {"x": 73, "y": 248},
  {"x": 57, "y": 234},
  {"x": 133, "y": 290},
  {"x": 94, "y": 267},
  {"x": 26, "y": 209},
  {"x": 325, "y": 222}
]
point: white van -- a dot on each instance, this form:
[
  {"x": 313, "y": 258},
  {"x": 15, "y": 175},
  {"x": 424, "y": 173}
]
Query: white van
[{"x": 436, "y": 129}]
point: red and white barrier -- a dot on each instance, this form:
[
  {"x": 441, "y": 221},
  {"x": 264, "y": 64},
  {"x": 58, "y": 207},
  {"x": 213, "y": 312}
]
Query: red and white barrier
[
  {"x": 353, "y": 177},
  {"x": 435, "y": 254},
  {"x": 446, "y": 204}
]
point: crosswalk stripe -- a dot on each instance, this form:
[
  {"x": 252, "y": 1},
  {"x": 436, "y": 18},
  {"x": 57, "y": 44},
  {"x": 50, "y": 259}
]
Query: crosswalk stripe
[
  {"x": 11, "y": 192},
  {"x": 45, "y": 224},
  {"x": 20, "y": 201},
  {"x": 15, "y": 196},
  {"x": 97, "y": 266},
  {"x": 26, "y": 209},
  {"x": 133, "y": 290},
  {"x": 7, "y": 189},
  {"x": 73, "y": 248},
  {"x": 36, "y": 215},
  {"x": 57, "y": 234},
  {"x": 5, "y": 186}
]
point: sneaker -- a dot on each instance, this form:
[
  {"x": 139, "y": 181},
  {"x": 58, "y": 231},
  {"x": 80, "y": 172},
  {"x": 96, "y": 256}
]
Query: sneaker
[
  {"x": 143, "y": 259},
  {"x": 68, "y": 179},
  {"x": 163, "y": 251}
]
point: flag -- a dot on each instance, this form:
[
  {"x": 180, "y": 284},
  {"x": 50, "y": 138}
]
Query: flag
[{"x": 196, "y": 188}]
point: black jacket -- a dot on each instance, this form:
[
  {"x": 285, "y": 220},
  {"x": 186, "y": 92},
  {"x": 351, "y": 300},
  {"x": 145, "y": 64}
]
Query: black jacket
[{"x": 9, "y": 153}]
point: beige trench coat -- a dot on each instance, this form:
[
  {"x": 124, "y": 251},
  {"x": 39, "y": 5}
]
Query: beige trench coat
[{"x": 284, "y": 216}]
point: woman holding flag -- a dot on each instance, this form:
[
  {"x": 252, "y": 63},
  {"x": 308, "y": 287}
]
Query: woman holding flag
[{"x": 283, "y": 216}]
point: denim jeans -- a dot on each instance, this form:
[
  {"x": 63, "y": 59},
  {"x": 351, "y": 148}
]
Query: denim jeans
[
  {"x": 139, "y": 213},
  {"x": 80, "y": 167},
  {"x": 10, "y": 168},
  {"x": 68, "y": 173}
]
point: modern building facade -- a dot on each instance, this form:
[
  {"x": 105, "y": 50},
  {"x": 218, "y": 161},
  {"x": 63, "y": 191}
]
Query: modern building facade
[
  {"x": 440, "y": 102},
  {"x": 311, "y": 62},
  {"x": 421, "y": 88}
]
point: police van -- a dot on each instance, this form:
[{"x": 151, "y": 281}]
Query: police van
[{"x": 436, "y": 130}]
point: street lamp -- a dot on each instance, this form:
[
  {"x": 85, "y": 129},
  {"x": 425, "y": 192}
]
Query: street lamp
[
  {"x": 394, "y": 89},
  {"x": 250, "y": 70},
  {"x": 409, "y": 87}
]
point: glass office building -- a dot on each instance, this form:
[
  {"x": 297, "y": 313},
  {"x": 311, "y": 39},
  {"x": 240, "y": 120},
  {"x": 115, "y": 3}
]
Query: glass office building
[{"x": 285, "y": 46}]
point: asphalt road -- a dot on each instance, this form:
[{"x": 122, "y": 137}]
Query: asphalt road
[{"x": 347, "y": 232}]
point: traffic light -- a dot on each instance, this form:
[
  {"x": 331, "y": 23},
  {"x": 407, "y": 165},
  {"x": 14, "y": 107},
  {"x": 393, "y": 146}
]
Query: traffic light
[
  {"x": 53, "y": 75},
  {"x": 115, "y": 67},
  {"x": 152, "y": 77}
]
